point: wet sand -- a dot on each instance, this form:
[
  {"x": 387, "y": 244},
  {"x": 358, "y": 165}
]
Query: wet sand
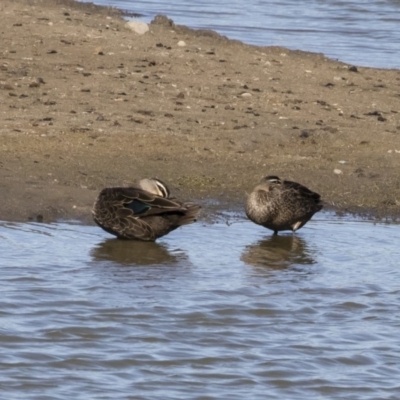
[{"x": 87, "y": 103}]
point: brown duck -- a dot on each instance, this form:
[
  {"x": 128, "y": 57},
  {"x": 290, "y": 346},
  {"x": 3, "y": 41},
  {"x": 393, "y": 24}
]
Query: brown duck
[
  {"x": 142, "y": 212},
  {"x": 282, "y": 205}
]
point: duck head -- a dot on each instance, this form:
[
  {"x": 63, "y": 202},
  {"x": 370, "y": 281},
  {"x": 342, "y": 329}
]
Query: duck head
[{"x": 155, "y": 186}]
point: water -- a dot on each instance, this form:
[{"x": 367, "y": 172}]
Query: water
[
  {"x": 211, "y": 311},
  {"x": 359, "y": 32}
]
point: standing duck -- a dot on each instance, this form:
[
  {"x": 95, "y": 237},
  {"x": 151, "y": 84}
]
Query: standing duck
[
  {"x": 142, "y": 212},
  {"x": 282, "y": 205}
]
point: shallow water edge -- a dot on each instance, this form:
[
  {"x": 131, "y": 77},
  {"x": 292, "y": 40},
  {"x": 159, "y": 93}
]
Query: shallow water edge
[{"x": 209, "y": 311}]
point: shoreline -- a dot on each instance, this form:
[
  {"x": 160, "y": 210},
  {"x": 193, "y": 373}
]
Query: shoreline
[{"x": 87, "y": 103}]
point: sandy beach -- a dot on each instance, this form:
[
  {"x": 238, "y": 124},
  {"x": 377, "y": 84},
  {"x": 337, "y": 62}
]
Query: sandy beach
[{"x": 87, "y": 103}]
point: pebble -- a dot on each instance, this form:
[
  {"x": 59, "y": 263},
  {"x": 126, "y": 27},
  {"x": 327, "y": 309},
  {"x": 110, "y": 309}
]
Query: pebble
[
  {"x": 337, "y": 171},
  {"x": 181, "y": 43},
  {"x": 137, "y": 26}
]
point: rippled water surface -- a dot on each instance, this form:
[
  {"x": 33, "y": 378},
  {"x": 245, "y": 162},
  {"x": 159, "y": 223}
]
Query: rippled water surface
[
  {"x": 361, "y": 32},
  {"x": 220, "y": 311}
]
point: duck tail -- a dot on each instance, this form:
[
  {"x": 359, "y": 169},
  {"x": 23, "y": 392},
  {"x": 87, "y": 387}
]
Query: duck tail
[{"x": 191, "y": 213}]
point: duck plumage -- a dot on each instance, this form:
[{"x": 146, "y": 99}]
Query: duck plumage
[
  {"x": 282, "y": 205},
  {"x": 142, "y": 212}
]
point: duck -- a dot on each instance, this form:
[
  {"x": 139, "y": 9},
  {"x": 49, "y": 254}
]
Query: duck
[
  {"x": 144, "y": 211},
  {"x": 282, "y": 205}
]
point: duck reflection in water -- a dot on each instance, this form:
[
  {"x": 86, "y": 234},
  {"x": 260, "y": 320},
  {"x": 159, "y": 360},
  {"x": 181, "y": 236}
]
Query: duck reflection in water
[
  {"x": 278, "y": 252},
  {"x": 141, "y": 253}
]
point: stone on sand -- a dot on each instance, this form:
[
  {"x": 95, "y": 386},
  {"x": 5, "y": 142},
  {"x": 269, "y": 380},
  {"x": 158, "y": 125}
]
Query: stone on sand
[{"x": 137, "y": 26}]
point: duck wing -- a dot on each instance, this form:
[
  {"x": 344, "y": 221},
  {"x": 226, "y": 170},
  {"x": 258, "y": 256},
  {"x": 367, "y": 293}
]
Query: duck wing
[
  {"x": 302, "y": 191},
  {"x": 143, "y": 203}
]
